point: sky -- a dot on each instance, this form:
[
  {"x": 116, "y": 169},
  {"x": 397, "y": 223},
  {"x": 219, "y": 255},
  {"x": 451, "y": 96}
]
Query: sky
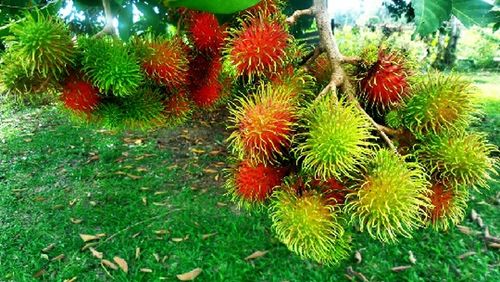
[{"x": 368, "y": 7}]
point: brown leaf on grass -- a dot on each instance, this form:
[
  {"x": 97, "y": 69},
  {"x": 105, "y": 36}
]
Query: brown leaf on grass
[
  {"x": 96, "y": 253},
  {"x": 88, "y": 237},
  {"x": 206, "y": 236},
  {"x": 73, "y": 202},
  {"x": 121, "y": 263},
  {"x": 58, "y": 207},
  {"x": 146, "y": 270},
  {"x": 256, "y": 254},
  {"x": 108, "y": 264},
  {"x": 209, "y": 170},
  {"x": 70, "y": 280},
  {"x": 400, "y": 268},
  {"x": 358, "y": 257},
  {"x": 465, "y": 230},
  {"x": 93, "y": 157},
  {"x": 134, "y": 177},
  {"x": 137, "y": 252},
  {"x": 467, "y": 254},
  {"x": 48, "y": 248},
  {"x": 142, "y": 169},
  {"x": 221, "y": 204},
  {"x": 88, "y": 245},
  {"x": 177, "y": 240},
  {"x": 480, "y": 222},
  {"x": 100, "y": 235},
  {"x": 161, "y": 232},
  {"x": 411, "y": 257},
  {"x": 473, "y": 215},
  {"x": 191, "y": 275},
  {"x": 75, "y": 220},
  {"x": 197, "y": 151},
  {"x": 58, "y": 258},
  {"x": 39, "y": 273},
  {"x": 351, "y": 272},
  {"x": 494, "y": 245},
  {"x": 28, "y": 140},
  {"x": 157, "y": 257},
  {"x": 144, "y": 201}
]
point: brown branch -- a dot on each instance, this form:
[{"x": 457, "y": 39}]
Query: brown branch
[
  {"x": 291, "y": 20},
  {"x": 339, "y": 78},
  {"x": 108, "y": 27}
]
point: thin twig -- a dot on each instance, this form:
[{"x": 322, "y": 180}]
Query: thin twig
[{"x": 299, "y": 13}]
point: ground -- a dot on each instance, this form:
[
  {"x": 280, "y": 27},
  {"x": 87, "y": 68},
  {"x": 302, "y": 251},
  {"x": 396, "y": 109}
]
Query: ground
[{"x": 156, "y": 200}]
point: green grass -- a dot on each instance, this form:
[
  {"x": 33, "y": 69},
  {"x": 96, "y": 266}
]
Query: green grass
[{"x": 144, "y": 183}]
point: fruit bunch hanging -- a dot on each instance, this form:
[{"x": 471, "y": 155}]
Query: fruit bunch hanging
[{"x": 387, "y": 153}]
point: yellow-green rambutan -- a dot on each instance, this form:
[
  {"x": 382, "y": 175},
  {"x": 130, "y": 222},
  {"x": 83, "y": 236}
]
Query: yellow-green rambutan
[
  {"x": 448, "y": 206},
  {"x": 439, "y": 102},
  {"x": 336, "y": 141},
  {"x": 263, "y": 124},
  {"x": 110, "y": 66},
  {"x": 390, "y": 198},
  {"x": 42, "y": 45},
  {"x": 458, "y": 158},
  {"x": 309, "y": 226}
]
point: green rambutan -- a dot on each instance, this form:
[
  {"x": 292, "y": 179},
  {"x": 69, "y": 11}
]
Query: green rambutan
[
  {"x": 385, "y": 83},
  {"x": 391, "y": 198},
  {"x": 258, "y": 47},
  {"x": 263, "y": 125},
  {"x": 448, "y": 206},
  {"x": 439, "y": 102},
  {"x": 309, "y": 226},
  {"x": 393, "y": 119},
  {"x": 110, "y": 66},
  {"x": 251, "y": 185},
  {"x": 142, "y": 110},
  {"x": 461, "y": 158},
  {"x": 168, "y": 63},
  {"x": 336, "y": 141},
  {"x": 42, "y": 45}
]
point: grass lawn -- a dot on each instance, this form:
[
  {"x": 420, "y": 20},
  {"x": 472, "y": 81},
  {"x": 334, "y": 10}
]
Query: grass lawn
[{"x": 156, "y": 199}]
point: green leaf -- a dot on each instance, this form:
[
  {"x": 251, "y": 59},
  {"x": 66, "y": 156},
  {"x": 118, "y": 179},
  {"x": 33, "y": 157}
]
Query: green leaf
[
  {"x": 472, "y": 12},
  {"x": 430, "y": 14},
  {"x": 213, "y": 6}
]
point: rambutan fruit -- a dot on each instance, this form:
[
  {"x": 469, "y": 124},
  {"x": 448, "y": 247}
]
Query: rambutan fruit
[
  {"x": 448, "y": 206},
  {"x": 142, "y": 110},
  {"x": 461, "y": 158},
  {"x": 439, "y": 102},
  {"x": 332, "y": 190},
  {"x": 168, "y": 63},
  {"x": 393, "y": 119},
  {"x": 252, "y": 185},
  {"x": 80, "y": 95},
  {"x": 391, "y": 198},
  {"x": 385, "y": 84},
  {"x": 309, "y": 226},
  {"x": 335, "y": 141},
  {"x": 42, "y": 45},
  {"x": 207, "y": 95},
  {"x": 110, "y": 66},
  {"x": 321, "y": 69},
  {"x": 298, "y": 82},
  {"x": 264, "y": 9},
  {"x": 263, "y": 125},
  {"x": 177, "y": 109},
  {"x": 258, "y": 47},
  {"x": 206, "y": 32}
]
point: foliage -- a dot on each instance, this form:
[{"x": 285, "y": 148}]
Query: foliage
[{"x": 479, "y": 45}]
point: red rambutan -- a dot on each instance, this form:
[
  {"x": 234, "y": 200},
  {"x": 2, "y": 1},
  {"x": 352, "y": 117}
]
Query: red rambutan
[
  {"x": 449, "y": 204},
  {"x": 386, "y": 84},
  {"x": 80, "y": 95},
  {"x": 206, "y": 32},
  {"x": 204, "y": 70},
  {"x": 256, "y": 183},
  {"x": 264, "y": 8},
  {"x": 168, "y": 63},
  {"x": 332, "y": 190},
  {"x": 207, "y": 95},
  {"x": 177, "y": 108},
  {"x": 259, "y": 48},
  {"x": 441, "y": 200}
]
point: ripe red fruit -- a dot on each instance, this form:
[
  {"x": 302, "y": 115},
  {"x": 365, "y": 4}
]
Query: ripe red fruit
[
  {"x": 256, "y": 183},
  {"x": 177, "y": 107},
  {"x": 264, "y": 8},
  {"x": 204, "y": 70},
  {"x": 168, "y": 65},
  {"x": 207, "y": 95},
  {"x": 206, "y": 32},
  {"x": 386, "y": 81},
  {"x": 259, "y": 47},
  {"x": 441, "y": 199},
  {"x": 80, "y": 95},
  {"x": 332, "y": 190}
]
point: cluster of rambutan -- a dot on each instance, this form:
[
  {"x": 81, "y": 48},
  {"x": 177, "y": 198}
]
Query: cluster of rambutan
[{"x": 316, "y": 161}]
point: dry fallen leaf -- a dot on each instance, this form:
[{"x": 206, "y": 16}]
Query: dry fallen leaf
[
  {"x": 191, "y": 275},
  {"x": 146, "y": 270},
  {"x": 464, "y": 229},
  {"x": 39, "y": 273},
  {"x": 221, "y": 204},
  {"x": 109, "y": 264},
  {"x": 480, "y": 222},
  {"x": 75, "y": 220},
  {"x": 58, "y": 258},
  {"x": 96, "y": 253},
  {"x": 137, "y": 252},
  {"x": 157, "y": 257},
  {"x": 48, "y": 248},
  {"x": 206, "y": 236},
  {"x": 256, "y": 254},
  {"x": 70, "y": 280},
  {"x": 134, "y": 177},
  {"x": 209, "y": 170},
  {"x": 473, "y": 215},
  {"x": 197, "y": 151},
  {"x": 88, "y": 245},
  {"x": 87, "y": 237},
  {"x": 400, "y": 268},
  {"x": 411, "y": 257},
  {"x": 161, "y": 232},
  {"x": 145, "y": 201},
  {"x": 467, "y": 254},
  {"x": 494, "y": 245},
  {"x": 121, "y": 263},
  {"x": 358, "y": 257}
]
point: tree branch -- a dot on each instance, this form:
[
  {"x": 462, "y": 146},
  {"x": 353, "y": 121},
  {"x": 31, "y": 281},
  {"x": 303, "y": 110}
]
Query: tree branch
[
  {"x": 339, "y": 78},
  {"x": 291, "y": 20},
  {"x": 108, "y": 27}
]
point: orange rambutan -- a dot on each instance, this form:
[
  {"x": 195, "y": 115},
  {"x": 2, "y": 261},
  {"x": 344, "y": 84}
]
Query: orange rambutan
[
  {"x": 385, "y": 83},
  {"x": 206, "y": 32},
  {"x": 259, "y": 47},
  {"x": 80, "y": 95},
  {"x": 332, "y": 190},
  {"x": 448, "y": 205},
  {"x": 168, "y": 63},
  {"x": 264, "y": 8},
  {"x": 254, "y": 184},
  {"x": 177, "y": 109},
  {"x": 264, "y": 124},
  {"x": 207, "y": 95}
]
